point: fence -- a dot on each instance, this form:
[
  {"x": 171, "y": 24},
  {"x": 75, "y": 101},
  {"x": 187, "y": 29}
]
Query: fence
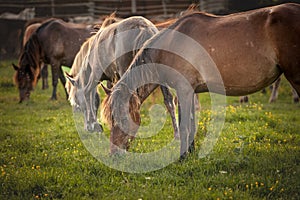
[
  {"x": 11, "y": 36},
  {"x": 95, "y": 8}
]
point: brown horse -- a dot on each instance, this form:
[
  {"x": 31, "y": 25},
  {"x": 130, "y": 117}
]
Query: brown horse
[
  {"x": 56, "y": 43},
  {"x": 249, "y": 50}
]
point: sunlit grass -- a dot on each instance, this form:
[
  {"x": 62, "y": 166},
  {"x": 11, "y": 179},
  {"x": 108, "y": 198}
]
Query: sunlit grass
[{"x": 257, "y": 155}]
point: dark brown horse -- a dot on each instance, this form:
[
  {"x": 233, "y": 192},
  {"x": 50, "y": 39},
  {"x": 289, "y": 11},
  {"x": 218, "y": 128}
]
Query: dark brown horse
[
  {"x": 56, "y": 43},
  {"x": 249, "y": 50}
]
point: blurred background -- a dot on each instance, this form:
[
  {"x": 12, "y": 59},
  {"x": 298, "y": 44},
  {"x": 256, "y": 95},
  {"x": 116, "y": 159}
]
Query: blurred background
[{"x": 16, "y": 14}]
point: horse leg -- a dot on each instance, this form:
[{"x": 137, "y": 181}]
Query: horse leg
[
  {"x": 197, "y": 103},
  {"x": 186, "y": 102},
  {"x": 295, "y": 96},
  {"x": 55, "y": 70},
  {"x": 193, "y": 127},
  {"x": 294, "y": 78},
  {"x": 44, "y": 73},
  {"x": 244, "y": 99},
  {"x": 63, "y": 81},
  {"x": 168, "y": 100},
  {"x": 274, "y": 94}
]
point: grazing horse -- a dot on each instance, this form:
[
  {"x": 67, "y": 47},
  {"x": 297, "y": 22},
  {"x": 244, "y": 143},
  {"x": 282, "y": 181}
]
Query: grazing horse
[
  {"x": 110, "y": 53},
  {"x": 56, "y": 43},
  {"x": 250, "y": 50}
]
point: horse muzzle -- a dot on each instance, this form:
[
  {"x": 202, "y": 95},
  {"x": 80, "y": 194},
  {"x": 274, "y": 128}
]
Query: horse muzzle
[{"x": 94, "y": 127}]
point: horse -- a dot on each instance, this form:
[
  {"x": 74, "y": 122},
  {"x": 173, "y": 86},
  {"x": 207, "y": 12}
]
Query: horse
[
  {"x": 249, "y": 50},
  {"x": 56, "y": 43},
  {"x": 274, "y": 93},
  {"x": 108, "y": 57}
]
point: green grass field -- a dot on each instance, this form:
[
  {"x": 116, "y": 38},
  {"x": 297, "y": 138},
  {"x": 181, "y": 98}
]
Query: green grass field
[{"x": 42, "y": 156}]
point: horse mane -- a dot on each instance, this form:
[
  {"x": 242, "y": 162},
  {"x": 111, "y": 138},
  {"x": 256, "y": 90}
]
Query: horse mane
[
  {"x": 110, "y": 20},
  {"x": 77, "y": 65},
  {"x": 30, "y": 58},
  {"x": 110, "y": 109}
]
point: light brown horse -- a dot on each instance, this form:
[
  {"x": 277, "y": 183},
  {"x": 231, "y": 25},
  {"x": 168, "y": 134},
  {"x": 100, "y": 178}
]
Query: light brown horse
[
  {"x": 107, "y": 57},
  {"x": 56, "y": 43},
  {"x": 250, "y": 51}
]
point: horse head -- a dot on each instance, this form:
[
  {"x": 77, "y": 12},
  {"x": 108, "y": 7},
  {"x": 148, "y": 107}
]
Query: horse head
[
  {"x": 121, "y": 111},
  {"x": 79, "y": 102},
  {"x": 25, "y": 80}
]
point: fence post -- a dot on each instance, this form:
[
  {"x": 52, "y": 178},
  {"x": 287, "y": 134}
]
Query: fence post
[
  {"x": 164, "y": 5},
  {"x": 133, "y": 6},
  {"x": 52, "y": 8},
  {"x": 91, "y": 9}
]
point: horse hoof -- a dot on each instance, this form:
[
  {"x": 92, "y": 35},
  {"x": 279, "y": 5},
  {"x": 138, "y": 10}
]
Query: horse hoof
[
  {"x": 296, "y": 100},
  {"x": 183, "y": 157},
  {"x": 53, "y": 98}
]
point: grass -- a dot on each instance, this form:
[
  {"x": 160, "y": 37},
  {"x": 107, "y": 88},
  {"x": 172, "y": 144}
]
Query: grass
[{"x": 257, "y": 155}]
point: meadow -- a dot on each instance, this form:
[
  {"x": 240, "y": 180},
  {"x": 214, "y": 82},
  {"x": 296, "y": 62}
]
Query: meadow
[{"x": 42, "y": 156}]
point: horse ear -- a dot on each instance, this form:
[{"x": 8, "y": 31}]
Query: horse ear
[
  {"x": 71, "y": 79},
  {"x": 106, "y": 90},
  {"x": 15, "y": 67}
]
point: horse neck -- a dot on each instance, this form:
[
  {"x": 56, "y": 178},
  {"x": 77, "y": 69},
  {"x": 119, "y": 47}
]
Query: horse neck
[
  {"x": 142, "y": 75},
  {"x": 144, "y": 92},
  {"x": 32, "y": 51}
]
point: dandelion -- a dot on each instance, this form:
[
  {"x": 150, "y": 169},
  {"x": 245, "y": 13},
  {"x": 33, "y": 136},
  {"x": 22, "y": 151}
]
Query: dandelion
[{"x": 209, "y": 189}]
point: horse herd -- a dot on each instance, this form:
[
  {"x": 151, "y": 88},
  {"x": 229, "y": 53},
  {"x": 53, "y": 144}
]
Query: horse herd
[{"x": 247, "y": 52}]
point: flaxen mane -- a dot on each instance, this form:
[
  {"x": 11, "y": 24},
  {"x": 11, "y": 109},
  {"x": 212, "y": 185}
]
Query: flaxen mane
[
  {"x": 109, "y": 107},
  {"x": 83, "y": 52},
  {"x": 84, "y": 49}
]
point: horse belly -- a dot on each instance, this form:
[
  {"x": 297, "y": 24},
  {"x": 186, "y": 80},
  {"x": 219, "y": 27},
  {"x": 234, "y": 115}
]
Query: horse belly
[{"x": 247, "y": 70}]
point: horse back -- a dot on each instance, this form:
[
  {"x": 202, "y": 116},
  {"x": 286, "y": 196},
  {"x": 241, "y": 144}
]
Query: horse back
[
  {"x": 61, "y": 40},
  {"x": 249, "y": 45}
]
